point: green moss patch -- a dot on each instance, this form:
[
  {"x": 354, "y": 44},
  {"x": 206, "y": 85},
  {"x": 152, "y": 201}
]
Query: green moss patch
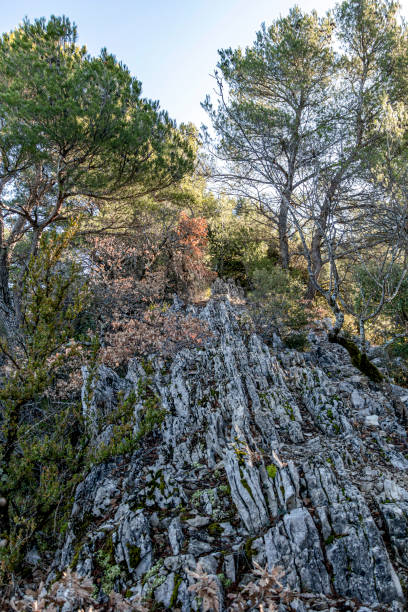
[
  {"x": 358, "y": 359},
  {"x": 272, "y": 470},
  {"x": 134, "y": 555}
]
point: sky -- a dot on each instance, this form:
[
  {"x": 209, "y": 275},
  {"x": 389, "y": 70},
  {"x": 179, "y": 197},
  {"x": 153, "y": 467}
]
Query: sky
[{"x": 169, "y": 45}]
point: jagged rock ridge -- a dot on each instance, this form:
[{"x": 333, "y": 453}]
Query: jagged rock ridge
[{"x": 288, "y": 459}]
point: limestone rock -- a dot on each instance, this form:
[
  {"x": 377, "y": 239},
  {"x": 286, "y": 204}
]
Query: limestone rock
[{"x": 265, "y": 454}]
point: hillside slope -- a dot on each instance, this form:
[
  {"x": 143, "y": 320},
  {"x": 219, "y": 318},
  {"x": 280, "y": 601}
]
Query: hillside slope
[{"x": 291, "y": 460}]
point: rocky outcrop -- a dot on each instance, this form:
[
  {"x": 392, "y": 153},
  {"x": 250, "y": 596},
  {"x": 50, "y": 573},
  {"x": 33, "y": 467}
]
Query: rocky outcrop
[{"x": 270, "y": 455}]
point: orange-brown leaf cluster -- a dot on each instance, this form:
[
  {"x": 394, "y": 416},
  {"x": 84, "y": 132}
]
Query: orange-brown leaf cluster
[{"x": 133, "y": 278}]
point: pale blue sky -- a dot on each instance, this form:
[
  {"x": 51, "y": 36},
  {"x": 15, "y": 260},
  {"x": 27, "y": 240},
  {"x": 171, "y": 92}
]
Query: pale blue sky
[{"x": 170, "y": 45}]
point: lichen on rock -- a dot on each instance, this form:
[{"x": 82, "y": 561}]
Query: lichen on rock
[{"x": 263, "y": 454}]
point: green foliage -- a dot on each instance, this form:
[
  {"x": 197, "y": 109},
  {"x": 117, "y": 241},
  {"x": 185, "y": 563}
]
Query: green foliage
[
  {"x": 399, "y": 348},
  {"x": 81, "y": 117},
  {"x": 371, "y": 37},
  {"x": 296, "y": 340},
  {"x": 54, "y": 294},
  {"x": 292, "y": 56},
  {"x": 277, "y": 301},
  {"x": 236, "y": 242},
  {"x": 76, "y": 138},
  {"x": 389, "y": 327},
  {"x": 46, "y": 447},
  {"x": 272, "y": 470},
  {"x": 399, "y": 368},
  {"x": 364, "y": 286},
  {"x": 38, "y": 463},
  {"x": 276, "y": 118}
]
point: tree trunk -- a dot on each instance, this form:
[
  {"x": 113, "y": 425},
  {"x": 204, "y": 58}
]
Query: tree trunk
[
  {"x": 358, "y": 359},
  {"x": 18, "y": 287},
  {"x": 361, "y": 327},
  {"x": 318, "y": 236},
  {"x": 7, "y": 321},
  {"x": 316, "y": 260},
  {"x": 5, "y": 295},
  {"x": 283, "y": 234},
  {"x": 4, "y": 518}
]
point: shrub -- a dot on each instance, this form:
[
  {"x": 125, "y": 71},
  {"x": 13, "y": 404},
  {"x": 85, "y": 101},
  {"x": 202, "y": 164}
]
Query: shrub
[
  {"x": 277, "y": 303},
  {"x": 38, "y": 462},
  {"x": 188, "y": 257},
  {"x": 296, "y": 340},
  {"x": 131, "y": 282}
]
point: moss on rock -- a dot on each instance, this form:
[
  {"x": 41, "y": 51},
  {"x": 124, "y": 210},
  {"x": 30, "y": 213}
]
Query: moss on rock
[
  {"x": 134, "y": 555},
  {"x": 358, "y": 359}
]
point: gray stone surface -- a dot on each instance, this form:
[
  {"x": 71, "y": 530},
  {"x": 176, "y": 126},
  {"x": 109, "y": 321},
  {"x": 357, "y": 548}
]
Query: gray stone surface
[{"x": 265, "y": 454}]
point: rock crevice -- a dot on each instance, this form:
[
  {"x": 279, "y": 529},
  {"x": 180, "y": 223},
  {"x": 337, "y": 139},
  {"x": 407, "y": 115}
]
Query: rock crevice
[{"x": 264, "y": 454}]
